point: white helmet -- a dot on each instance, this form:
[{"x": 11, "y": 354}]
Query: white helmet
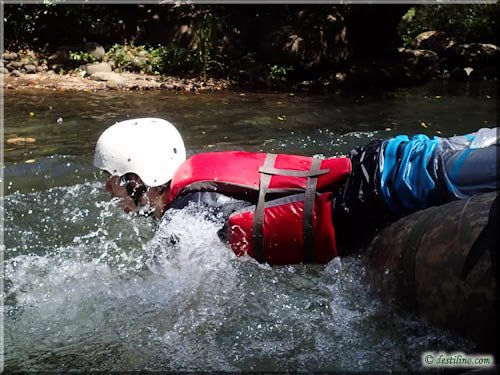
[{"x": 152, "y": 148}]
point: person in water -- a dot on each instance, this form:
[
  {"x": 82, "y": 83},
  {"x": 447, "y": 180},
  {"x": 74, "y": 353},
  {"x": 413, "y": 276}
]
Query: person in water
[{"x": 284, "y": 209}]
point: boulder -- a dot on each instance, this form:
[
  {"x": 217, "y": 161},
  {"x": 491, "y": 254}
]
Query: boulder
[
  {"x": 100, "y": 67},
  {"x": 9, "y": 56},
  {"x": 418, "y": 64},
  {"x": 4, "y": 71},
  {"x": 30, "y": 68},
  {"x": 106, "y": 76},
  {"x": 115, "y": 85},
  {"x": 460, "y": 74},
  {"x": 474, "y": 55},
  {"x": 436, "y": 41},
  {"x": 56, "y": 67},
  {"x": 58, "y": 57},
  {"x": 13, "y": 65},
  {"x": 95, "y": 50},
  {"x": 427, "y": 57},
  {"x": 15, "y": 73}
]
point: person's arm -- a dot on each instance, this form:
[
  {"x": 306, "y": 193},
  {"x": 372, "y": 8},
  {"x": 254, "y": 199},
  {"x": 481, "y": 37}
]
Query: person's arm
[
  {"x": 217, "y": 203},
  {"x": 419, "y": 172}
]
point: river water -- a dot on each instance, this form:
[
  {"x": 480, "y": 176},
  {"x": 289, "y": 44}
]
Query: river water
[{"x": 88, "y": 287}]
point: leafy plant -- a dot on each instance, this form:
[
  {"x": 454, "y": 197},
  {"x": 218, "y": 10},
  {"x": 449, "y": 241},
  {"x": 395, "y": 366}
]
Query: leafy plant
[
  {"x": 209, "y": 29},
  {"x": 471, "y": 22},
  {"x": 81, "y": 57},
  {"x": 172, "y": 59},
  {"x": 277, "y": 74},
  {"x": 130, "y": 58}
]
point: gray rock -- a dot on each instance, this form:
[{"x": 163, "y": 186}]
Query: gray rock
[
  {"x": 4, "y": 71},
  {"x": 30, "y": 69},
  {"x": 58, "y": 57},
  {"x": 13, "y": 65},
  {"x": 9, "y": 56},
  {"x": 39, "y": 69},
  {"x": 15, "y": 73},
  {"x": 106, "y": 76},
  {"x": 100, "y": 67},
  {"x": 115, "y": 85},
  {"x": 95, "y": 50}
]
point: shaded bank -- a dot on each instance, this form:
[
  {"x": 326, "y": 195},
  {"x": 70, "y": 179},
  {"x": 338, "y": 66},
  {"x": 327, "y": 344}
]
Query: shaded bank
[{"x": 253, "y": 46}]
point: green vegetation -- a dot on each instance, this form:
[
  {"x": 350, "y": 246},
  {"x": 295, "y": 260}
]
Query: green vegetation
[
  {"x": 173, "y": 60},
  {"x": 130, "y": 58},
  {"x": 277, "y": 74},
  {"x": 208, "y": 32},
  {"x": 170, "y": 59},
  {"x": 201, "y": 59},
  {"x": 469, "y": 23},
  {"x": 81, "y": 57}
]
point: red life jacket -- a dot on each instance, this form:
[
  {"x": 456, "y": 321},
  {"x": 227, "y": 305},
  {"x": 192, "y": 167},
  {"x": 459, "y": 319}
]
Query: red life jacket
[{"x": 292, "y": 220}]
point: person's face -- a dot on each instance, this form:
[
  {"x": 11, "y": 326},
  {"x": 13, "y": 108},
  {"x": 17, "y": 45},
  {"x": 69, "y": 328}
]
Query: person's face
[{"x": 135, "y": 196}]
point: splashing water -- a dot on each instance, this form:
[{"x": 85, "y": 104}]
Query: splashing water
[{"x": 111, "y": 293}]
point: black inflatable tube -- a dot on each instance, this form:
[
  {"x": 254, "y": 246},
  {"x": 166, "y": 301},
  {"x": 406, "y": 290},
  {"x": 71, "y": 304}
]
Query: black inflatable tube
[{"x": 440, "y": 263}]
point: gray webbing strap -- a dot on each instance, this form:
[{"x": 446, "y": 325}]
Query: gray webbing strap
[
  {"x": 307, "y": 220},
  {"x": 258, "y": 217},
  {"x": 293, "y": 173},
  {"x": 266, "y": 173}
]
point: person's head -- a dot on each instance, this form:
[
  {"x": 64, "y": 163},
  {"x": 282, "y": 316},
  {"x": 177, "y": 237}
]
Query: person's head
[{"x": 140, "y": 156}]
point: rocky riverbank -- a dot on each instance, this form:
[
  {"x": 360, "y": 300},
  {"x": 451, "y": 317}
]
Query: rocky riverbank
[
  {"x": 110, "y": 81},
  {"x": 433, "y": 55},
  {"x": 27, "y": 69}
]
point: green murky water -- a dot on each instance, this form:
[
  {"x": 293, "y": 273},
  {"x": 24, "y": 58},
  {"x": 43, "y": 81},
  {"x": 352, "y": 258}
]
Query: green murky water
[{"x": 89, "y": 287}]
